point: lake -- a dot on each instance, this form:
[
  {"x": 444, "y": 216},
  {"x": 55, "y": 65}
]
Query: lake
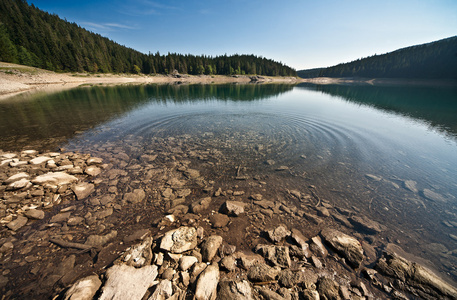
[{"x": 387, "y": 152}]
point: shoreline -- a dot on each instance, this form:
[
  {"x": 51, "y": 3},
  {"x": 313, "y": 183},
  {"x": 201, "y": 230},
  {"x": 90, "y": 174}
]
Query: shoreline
[
  {"x": 381, "y": 81},
  {"x": 18, "y": 79}
]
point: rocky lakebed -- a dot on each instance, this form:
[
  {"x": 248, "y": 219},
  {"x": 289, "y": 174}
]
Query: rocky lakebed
[{"x": 156, "y": 224}]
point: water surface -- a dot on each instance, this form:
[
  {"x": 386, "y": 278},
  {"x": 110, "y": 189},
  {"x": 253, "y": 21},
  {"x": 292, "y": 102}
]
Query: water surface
[{"x": 356, "y": 145}]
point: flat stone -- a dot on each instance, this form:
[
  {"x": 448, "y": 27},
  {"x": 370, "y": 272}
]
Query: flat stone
[
  {"x": 35, "y": 214},
  {"x": 210, "y": 246},
  {"x": 75, "y": 221},
  {"x": 373, "y": 177},
  {"x": 410, "y": 185},
  {"x": 347, "y": 246},
  {"x": 208, "y": 280},
  {"x": 16, "y": 177},
  {"x": 39, "y": 160},
  {"x": 126, "y": 282},
  {"x": 136, "y": 196},
  {"x": 54, "y": 178},
  {"x": 433, "y": 196},
  {"x": 84, "y": 289},
  {"x": 192, "y": 174},
  {"x": 219, "y": 220},
  {"x": 29, "y": 153},
  {"x": 179, "y": 240},
  {"x": 18, "y": 223},
  {"x": 23, "y": 183},
  {"x": 92, "y": 171}
]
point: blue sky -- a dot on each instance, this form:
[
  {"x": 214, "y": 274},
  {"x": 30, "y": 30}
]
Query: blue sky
[{"x": 302, "y": 34}]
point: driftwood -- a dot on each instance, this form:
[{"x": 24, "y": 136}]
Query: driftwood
[{"x": 65, "y": 244}]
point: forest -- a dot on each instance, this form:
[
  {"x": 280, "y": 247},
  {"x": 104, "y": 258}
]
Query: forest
[
  {"x": 436, "y": 60},
  {"x": 33, "y": 37}
]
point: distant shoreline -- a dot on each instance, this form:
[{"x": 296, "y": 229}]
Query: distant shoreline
[
  {"x": 16, "y": 79},
  {"x": 380, "y": 81}
]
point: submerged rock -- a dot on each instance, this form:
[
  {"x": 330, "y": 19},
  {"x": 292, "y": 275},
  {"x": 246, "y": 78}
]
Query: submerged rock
[
  {"x": 431, "y": 195},
  {"x": 367, "y": 225},
  {"x": 83, "y": 190},
  {"x": 136, "y": 196}
]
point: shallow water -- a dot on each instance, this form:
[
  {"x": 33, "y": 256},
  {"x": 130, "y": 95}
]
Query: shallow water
[{"x": 334, "y": 138}]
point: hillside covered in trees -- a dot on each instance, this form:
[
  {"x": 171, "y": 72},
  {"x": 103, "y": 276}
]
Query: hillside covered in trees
[
  {"x": 436, "y": 60},
  {"x": 32, "y": 37}
]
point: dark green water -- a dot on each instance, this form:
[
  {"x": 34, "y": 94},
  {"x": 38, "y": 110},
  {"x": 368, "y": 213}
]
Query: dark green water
[{"x": 332, "y": 136}]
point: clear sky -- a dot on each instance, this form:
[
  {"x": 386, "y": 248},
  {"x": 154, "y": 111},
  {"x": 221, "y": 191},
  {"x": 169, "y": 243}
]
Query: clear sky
[{"x": 300, "y": 33}]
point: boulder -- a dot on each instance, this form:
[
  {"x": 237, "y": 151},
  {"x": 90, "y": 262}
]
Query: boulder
[
  {"x": 236, "y": 290},
  {"x": 125, "y": 282},
  {"x": 84, "y": 289},
  {"x": 317, "y": 247},
  {"x": 206, "y": 288},
  {"x": 179, "y": 240},
  {"x": 347, "y": 246},
  {"x": 55, "y": 178},
  {"x": 186, "y": 262},
  {"x": 300, "y": 239},
  {"x": 210, "y": 246}
]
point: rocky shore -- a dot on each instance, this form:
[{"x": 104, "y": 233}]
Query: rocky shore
[{"x": 152, "y": 224}]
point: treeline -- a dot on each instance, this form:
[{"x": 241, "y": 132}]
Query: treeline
[
  {"x": 32, "y": 37},
  {"x": 436, "y": 60}
]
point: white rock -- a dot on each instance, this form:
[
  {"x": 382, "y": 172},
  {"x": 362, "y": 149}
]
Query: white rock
[
  {"x": 55, "y": 178},
  {"x": 40, "y": 159},
  {"x": 16, "y": 177},
  {"x": 82, "y": 190},
  {"x": 207, "y": 284},
  {"x": 186, "y": 262},
  {"x": 20, "y": 184},
  {"x": 8, "y": 155},
  {"x": 84, "y": 289},
  {"x": 179, "y": 240},
  {"x": 29, "y": 152},
  {"x": 92, "y": 170},
  {"x": 124, "y": 282}
]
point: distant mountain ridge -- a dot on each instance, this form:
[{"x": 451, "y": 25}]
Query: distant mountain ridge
[
  {"x": 32, "y": 37},
  {"x": 435, "y": 60}
]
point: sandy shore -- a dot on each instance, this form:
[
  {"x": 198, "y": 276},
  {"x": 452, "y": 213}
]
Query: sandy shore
[{"x": 16, "y": 79}]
